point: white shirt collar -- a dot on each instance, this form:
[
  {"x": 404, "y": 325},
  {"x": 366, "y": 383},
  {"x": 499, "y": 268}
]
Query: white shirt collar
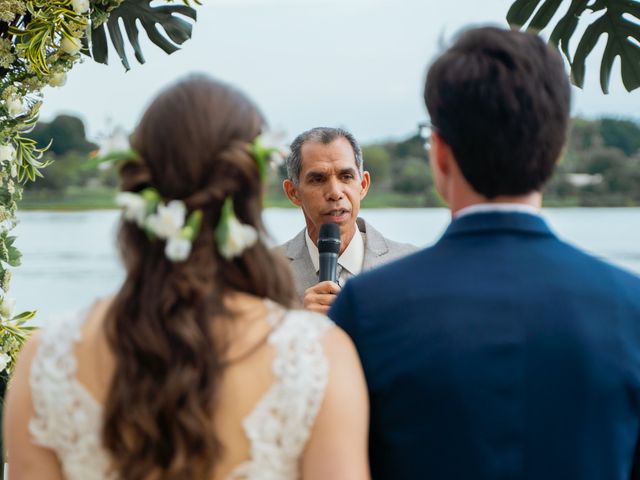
[
  {"x": 351, "y": 259},
  {"x": 497, "y": 207}
]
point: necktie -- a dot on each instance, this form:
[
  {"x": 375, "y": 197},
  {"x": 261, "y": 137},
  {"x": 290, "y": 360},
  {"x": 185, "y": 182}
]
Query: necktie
[{"x": 340, "y": 278}]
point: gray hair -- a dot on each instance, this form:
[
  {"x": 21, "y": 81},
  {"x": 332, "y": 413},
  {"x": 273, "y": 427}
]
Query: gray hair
[{"x": 323, "y": 135}]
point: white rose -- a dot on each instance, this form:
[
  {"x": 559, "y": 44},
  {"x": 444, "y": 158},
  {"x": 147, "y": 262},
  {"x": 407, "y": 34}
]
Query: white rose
[
  {"x": 6, "y": 307},
  {"x": 58, "y": 79},
  {"x": 80, "y": 6},
  {"x": 133, "y": 205},
  {"x": 7, "y": 153},
  {"x": 169, "y": 220},
  {"x": 14, "y": 105},
  {"x": 177, "y": 249},
  {"x": 4, "y": 361},
  {"x": 240, "y": 238},
  {"x": 71, "y": 45}
]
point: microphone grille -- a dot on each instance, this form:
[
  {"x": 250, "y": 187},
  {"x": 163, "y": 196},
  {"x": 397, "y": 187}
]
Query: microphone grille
[{"x": 329, "y": 238}]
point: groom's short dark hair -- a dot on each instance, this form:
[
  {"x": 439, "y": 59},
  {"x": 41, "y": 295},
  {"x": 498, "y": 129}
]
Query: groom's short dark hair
[{"x": 500, "y": 99}]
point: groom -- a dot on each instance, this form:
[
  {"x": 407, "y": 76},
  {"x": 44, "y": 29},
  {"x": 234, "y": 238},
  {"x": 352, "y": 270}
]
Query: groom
[{"x": 501, "y": 352}]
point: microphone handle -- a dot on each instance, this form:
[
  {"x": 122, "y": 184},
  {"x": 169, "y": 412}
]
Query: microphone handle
[{"x": 328, "y": 267}]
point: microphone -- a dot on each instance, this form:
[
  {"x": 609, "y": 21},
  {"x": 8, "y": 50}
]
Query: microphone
[{"x": 329, "y": 248}]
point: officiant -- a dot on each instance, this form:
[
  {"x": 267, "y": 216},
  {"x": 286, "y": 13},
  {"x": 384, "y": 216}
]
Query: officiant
[{"x": 326, "y": 179}]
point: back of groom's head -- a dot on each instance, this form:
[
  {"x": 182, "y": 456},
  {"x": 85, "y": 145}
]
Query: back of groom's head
[{"x": 500, "y": 99}]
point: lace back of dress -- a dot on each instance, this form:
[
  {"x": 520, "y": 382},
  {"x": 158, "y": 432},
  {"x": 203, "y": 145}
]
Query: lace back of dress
[
  {"x": 68, "y": 419},
  {"x": 279, "y": 426}
]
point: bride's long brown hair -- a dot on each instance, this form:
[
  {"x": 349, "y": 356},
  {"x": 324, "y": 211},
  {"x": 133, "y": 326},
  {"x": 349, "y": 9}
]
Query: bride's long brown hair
[{"x": 158, "y": 419}]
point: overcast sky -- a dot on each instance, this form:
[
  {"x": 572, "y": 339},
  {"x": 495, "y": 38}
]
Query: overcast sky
[{"x": 359, "y": 64}]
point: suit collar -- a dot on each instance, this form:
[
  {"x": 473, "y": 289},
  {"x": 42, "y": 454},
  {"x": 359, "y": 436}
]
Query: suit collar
[
  {"x": 296, "y": 247},
  {"x": 499, "y": 221},
  {"x": 374, "y": 243}
]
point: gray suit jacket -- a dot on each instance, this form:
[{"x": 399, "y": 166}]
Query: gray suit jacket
[{"x": 377, "y": 251}]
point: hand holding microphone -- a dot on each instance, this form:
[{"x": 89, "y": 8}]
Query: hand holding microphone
[{"x": 320, "y": 297}]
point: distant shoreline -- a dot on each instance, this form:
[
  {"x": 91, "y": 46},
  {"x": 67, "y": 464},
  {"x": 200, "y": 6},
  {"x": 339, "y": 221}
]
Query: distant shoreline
[{"x": 80, "y": 199}]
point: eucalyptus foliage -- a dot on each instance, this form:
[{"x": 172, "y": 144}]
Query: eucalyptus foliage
[
  {"x": 618, "y": 20},
  {"x": 40, "y": 41}
]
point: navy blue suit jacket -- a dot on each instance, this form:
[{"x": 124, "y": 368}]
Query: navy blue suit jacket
[{"x": 499, "y": 353}]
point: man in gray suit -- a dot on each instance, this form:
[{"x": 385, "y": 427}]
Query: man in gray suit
[{"x": 327, "y": 181}]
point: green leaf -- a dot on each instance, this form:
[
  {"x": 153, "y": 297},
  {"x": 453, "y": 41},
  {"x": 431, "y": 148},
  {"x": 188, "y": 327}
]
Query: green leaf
[
  {"x": 222, "y": 229},
  {"x": 115, "y": 158},
  {"x": 522, "y": 10},
  {"x": 15, "y": 257},
  {"x": 618, "y": 30},
  {"x": 129, "y": 13},
  {"x": 23, "y": 317},
  {"x": 193, "y": 224},
  {"x": 544, "y": 14},
  {"x": 614, "y": 22},
  {"x": 566, "y": 26}
]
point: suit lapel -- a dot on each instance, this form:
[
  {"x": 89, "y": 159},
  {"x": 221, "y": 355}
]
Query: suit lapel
[
  {"x": 375, "y": 246},
  {"x": 301, "y": 264}
]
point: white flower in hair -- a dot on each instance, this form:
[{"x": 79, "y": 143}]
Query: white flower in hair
[
  {"x": 167, "y": 222},
  {"x": 177, "y": 249},
  {"x": 134, "y": 207},
  {"x": 169, "y": 219},
  {"x": 240, "y": 238},
  {"x": 233, "y": 237}
]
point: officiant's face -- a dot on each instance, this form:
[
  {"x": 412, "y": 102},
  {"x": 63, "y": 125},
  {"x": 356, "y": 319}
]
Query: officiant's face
[{"x": 330, "y": 187}]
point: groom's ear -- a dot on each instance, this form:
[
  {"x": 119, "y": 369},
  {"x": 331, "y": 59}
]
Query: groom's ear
[{"x": 440, "y": 154}]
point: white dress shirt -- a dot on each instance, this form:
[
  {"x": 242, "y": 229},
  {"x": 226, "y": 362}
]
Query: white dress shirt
[
  {"x": 497, "y": 207},
  {"x": 349, "y": 263}
]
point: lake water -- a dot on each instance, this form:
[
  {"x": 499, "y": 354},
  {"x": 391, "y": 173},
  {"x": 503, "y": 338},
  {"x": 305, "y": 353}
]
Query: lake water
[{"x": 70, "y": 257}]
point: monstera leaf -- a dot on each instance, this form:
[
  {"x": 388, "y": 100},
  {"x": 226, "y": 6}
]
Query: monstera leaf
[
  {"x": 132, "y": 12},
  {"x": 619, "y": 20}
]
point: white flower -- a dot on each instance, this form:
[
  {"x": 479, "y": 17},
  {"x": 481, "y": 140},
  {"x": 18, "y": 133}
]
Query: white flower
[
  {"x": 4, "y": 361},
  {"x": 169, "y": 220},
  {"x": 118, "y": 141},
  {"x": 7, "y": 153},
  {"x": 14, "y": 105},
  {"x": 239, "y": 238},
  {"x": 134, "y": 206},
  {"x": 177, "y": 249},
  {"x": 71, "y": 45},
  {"x": 276, "y": 140},
  {"x": 6, "y": 307},
  {"x": 58, "y": 79},
  {"x": 80, "y": 6}
]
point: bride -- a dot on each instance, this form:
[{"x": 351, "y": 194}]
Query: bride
[{"x": 198, "y": 368}]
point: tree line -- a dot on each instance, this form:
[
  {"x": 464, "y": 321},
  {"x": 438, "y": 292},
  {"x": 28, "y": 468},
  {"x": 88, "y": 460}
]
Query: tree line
[{"x": 600, "y": 167}]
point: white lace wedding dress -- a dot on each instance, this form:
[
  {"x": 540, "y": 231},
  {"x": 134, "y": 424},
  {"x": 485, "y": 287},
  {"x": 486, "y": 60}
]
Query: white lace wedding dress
[{"x": 68, "y": 419}]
